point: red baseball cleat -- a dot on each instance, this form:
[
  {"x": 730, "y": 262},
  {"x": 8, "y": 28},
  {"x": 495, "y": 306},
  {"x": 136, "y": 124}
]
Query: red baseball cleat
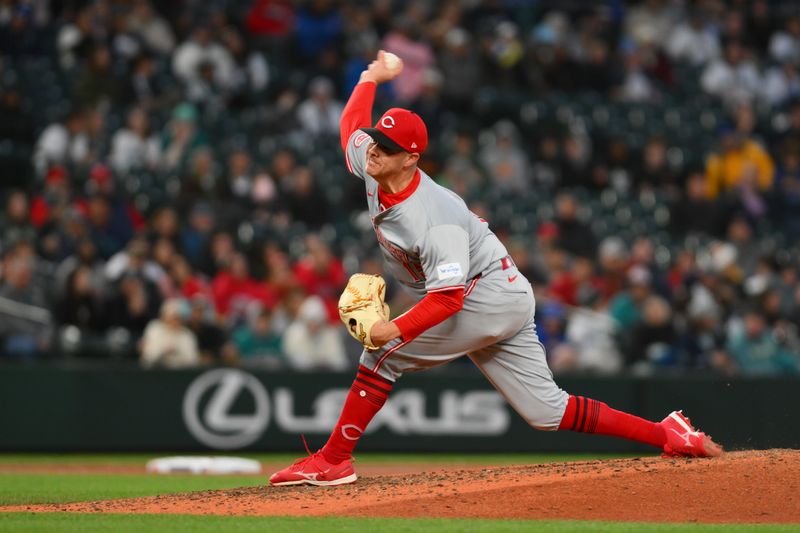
[
  {"x": 315, "y": 470},
  {"x": 683, "y": 440}
]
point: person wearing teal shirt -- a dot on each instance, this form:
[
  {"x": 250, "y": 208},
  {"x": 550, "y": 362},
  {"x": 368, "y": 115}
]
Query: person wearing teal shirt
[
  {"x": 257, "y": 342},
  {"x": 755, "y": 350}
]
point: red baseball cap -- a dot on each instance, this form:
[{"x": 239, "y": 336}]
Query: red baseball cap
[{"x": 401, "y": 130}]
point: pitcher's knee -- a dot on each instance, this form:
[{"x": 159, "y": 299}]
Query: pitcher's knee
[{"x": 546, "y": 419}]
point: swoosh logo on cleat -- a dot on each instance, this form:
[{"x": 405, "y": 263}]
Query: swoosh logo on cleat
[{"x": 686, "y": 436}]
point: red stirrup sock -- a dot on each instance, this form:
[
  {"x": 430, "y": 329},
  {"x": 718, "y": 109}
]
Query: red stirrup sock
[
  {"x": 590, "y": 416},
  {"x": 366, "y": 397}
]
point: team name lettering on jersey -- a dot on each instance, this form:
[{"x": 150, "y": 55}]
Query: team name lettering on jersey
[
  {"x": 411, "y": 264},
  {"x": 449, "y": 270}
]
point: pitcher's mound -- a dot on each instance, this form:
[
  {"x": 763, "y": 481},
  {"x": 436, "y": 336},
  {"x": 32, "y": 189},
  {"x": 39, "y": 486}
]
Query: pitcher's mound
[{"x": 754, "y": 486}]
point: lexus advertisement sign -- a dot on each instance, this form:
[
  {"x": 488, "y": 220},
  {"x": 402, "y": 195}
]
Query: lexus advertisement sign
[
  {"x": 106, "y": 409},
  {"x": 229, "y": 409}
]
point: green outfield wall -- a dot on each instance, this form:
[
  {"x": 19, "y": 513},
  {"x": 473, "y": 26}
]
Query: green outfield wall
[{"x": 100, "y": 409}]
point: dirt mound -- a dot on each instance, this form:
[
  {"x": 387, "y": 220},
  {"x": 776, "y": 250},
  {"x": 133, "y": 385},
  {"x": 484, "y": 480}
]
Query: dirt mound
[{"x": 755, "y": 486}]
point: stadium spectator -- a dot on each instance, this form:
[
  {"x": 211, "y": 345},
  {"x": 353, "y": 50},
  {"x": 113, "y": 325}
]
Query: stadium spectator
[
  {"x": 153, "y": 30},
  {"x": 787, "y": 189},
  {"x": 305, "y": 201},
  {"x": 82, "y": 306},
  {"x": 755, "y": 350},
  {"x": 653, "y": 171},
  {"x": 321, "y": 273},
  {"x": 144, "y": 88},
  {"x": 652, "y": 340},
  {"x": 180, "y": 138},
  {"x": 462, "y": 169},
  {"x": 462, "y": 76},
  {"x": 61, "y": 143},
  {"x": 200, "y": 50},
  {"x": 134, "y": 301},
  {"x": 310, "y": 342},
  {"x": 16, "y": 122},
  {"x": 636, "y": 85},
  {"x": 654, "y": 17},
  {"x": 250, "y": 71},
  {"x": 97, "y": 83},
  {"x": 213, "y": 342},
  {"x": 784, "y": 46},
  {"x": 134, "y": 146},
  {"x": 734, "y": 78},
  {"x": 15, "y": 221},
  {"x": 740, "y": 236},
  {"x": 694, "y": 40},
  {"x": 590, "y": 331},
  {"x": 318, "y": 26},
  {"x": 56, "y": 196},
  {"x": 233, "y": 289},
  {"x": 75, "y": 38},
  {"x": 781, "y": 84},
  {"x": 167, "y": 342},
  {"x": 739, "y": 161},
  {"x": 319, "y": 114},
  {"x": 195, "y": 235},
  {"x": 574, "y": 235},
  {"x": 17, "y": 128},
  {"x": 257, "y": 342},
  {"x": 134, "y": 260},
  {"x": 84, "y": 255},
  {"x": 760, "y": 24},
  {"x": 627, "y": 306},
  {"x": 271, "y": 21},
  {"x": 504, "y": 160},
  {"x": 405, "y": 41},
  {"x": 694, "y": 212},
  {"x": 613, "y": 257},
  {"x": 26, "y": 322},
  {"x": 202, "y": 177}
]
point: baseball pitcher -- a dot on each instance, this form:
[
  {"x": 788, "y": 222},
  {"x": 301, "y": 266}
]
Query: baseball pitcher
[{"x": 472, "y": 301}]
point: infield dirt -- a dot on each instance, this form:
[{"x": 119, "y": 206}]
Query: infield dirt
[{"x": 740, "y": 487}]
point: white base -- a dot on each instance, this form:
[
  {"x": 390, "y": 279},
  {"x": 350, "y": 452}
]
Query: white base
[{"x": 203, "y": 465}]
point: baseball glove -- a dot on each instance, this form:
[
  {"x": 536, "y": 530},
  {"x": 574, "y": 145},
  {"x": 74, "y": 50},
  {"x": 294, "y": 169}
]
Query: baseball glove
[{"x": 361, "y": 305}]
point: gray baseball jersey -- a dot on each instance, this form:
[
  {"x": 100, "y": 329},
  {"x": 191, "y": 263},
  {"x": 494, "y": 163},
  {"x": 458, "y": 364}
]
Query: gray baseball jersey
[{"x": 432, "y": 242}]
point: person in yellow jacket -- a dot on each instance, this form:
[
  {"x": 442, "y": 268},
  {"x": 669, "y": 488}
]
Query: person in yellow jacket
[{"x": 740, "y": 161}]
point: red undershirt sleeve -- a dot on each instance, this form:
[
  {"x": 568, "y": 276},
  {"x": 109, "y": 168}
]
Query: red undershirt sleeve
[
  {"x": 434, "y": 308},
  {"x": 358, "y": 111}
]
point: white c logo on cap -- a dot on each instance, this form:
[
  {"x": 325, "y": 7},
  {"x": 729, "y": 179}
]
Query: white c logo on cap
[{"x": 387, "y": 122}]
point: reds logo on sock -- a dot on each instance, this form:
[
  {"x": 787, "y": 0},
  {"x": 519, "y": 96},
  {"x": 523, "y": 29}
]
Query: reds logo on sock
[{"x": 351, "y": 427}]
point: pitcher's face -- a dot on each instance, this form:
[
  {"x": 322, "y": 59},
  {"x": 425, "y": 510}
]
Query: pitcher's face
[{"x": 383, "y": 162}]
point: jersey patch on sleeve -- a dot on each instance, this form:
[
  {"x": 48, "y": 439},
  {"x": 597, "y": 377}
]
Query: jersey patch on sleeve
[
  {"x": 449, "y": 270},
  {"x": 360, "y": 140}
]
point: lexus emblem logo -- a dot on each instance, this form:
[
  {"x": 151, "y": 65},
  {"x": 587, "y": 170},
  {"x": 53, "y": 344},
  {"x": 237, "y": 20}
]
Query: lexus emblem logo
[
  {"x": 208, "y": 403},
  {"x": 387, "y": 122}
]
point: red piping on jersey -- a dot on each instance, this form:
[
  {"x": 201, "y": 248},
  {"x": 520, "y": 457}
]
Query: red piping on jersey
[
  {"x": 443, "y": 289},
  {"x": 472, "y": 285},
  {"x": 387, "y": 354},
  {"x": 434, "y": 308}
]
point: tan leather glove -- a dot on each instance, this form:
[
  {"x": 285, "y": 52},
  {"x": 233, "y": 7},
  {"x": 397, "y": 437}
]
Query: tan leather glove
[{"x": 361, "y": 305}]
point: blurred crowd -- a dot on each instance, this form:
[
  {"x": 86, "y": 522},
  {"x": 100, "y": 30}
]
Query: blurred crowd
[{"x": 174, "y": 192}]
